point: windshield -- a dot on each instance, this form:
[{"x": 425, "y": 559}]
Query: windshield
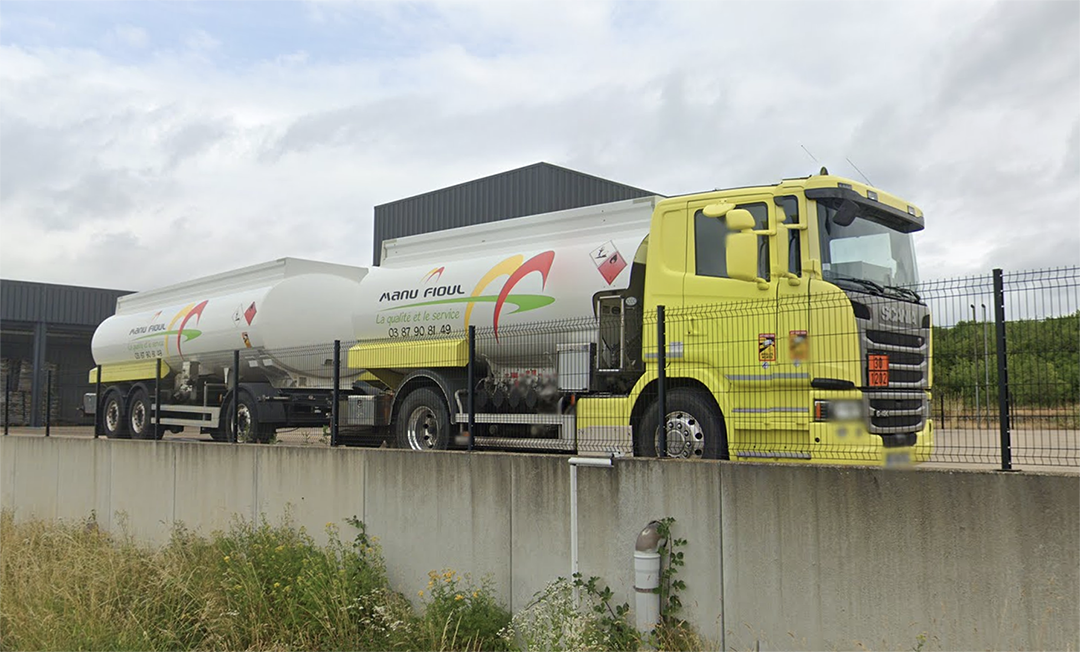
[{"x": 865, "y": 250}]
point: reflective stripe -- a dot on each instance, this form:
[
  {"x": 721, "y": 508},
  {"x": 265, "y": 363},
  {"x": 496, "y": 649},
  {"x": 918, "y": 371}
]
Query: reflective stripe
[{"x": 771, "y": 376}]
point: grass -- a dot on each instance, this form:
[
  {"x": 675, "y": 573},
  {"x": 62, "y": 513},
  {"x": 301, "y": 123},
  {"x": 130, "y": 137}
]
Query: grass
[{"x": 257, "y": 586}]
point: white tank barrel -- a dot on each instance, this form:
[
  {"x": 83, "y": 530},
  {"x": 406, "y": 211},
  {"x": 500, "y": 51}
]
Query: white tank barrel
[
  {"x": 270, "y": 308},
  {"x": 536, "y": 269}
]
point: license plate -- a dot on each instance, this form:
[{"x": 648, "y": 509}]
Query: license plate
[{"x": 898, "y": 459}]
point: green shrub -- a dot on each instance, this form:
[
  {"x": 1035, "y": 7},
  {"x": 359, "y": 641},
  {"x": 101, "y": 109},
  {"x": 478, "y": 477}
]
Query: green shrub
[{"x": 459, "y": 615}]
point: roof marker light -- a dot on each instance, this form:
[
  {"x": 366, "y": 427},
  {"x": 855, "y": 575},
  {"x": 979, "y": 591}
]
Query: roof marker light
[{"x": 870, "y": 194}]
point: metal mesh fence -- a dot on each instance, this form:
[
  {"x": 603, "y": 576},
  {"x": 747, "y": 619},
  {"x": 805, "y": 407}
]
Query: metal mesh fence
[{"x": 976, "y": 370}]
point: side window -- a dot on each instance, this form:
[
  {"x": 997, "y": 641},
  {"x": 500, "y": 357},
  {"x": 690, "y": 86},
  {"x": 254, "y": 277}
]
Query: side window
[
  {"x": 790, "y": 206},
  {"x": 710, "y": 236}
]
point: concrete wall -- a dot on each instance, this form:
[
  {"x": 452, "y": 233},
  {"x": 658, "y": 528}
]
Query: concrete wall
[{"x": 779, "y": 557}]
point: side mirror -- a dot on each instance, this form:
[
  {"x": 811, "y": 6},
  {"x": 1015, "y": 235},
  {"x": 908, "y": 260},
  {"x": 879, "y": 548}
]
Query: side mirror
[
  {"x": 719, "y": 209},
  {"x": 739, "y": 220},
  {"x": 741, "y": 246}
]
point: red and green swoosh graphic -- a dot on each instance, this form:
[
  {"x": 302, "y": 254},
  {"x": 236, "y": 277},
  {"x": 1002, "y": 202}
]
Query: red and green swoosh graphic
[
  {"x": 515, "y": 268},
  {"x": 183, "y": 333}
]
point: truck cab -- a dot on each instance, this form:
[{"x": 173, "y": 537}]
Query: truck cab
[{"x": 791, "y": 316}]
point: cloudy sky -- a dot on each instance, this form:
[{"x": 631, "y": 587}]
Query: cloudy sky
[{"x": 145, "y": 143}]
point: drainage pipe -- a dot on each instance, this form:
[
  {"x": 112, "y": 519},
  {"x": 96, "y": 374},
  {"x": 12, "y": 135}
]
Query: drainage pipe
[{"x": 647, "y": 578}]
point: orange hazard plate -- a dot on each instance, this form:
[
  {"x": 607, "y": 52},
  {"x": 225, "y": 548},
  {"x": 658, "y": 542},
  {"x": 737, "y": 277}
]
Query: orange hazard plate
[{"x": 879, "y": 370}]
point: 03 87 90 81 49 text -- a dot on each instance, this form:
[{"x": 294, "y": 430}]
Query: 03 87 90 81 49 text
[{"x": 404, "y": 332}]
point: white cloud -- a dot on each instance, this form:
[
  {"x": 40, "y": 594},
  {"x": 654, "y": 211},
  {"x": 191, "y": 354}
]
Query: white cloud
[
  {"x": 201, "y": 41},
  {"x": 131, "y": 36},
  {"x": 135, "y": 174}
]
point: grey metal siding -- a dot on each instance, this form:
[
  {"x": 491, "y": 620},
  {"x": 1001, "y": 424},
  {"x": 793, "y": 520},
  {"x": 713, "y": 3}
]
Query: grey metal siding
[
  {"x": 538, "y": 188},
  {"x": 25, "y": 301}
]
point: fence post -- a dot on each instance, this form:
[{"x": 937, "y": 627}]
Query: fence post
[
  {"x": 1003, "y": 372},
  {"x": 336, "y": 396},
  {"x": 661, "y": 381},
  {"x": 7, "y": 402},
  {"x": 48, "y": 401},
  {"x": 472, "y": 385},
  {"x": 157, "y": 401},
  {"x": 235, "y": 416},
  {"x": 97, "y": 402}
]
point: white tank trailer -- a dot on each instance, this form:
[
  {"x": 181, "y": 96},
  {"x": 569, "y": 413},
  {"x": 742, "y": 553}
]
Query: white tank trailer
[{"x": 283, "y": 315}]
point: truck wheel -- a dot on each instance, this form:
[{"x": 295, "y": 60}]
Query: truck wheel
[
  {"x": 694, "y": 427},
  {"x": 248, "y": 428},
  {"x": 423, "y": 422},
  {"x": 140, "y": 421},
  {"x": 113, "y": 415}
]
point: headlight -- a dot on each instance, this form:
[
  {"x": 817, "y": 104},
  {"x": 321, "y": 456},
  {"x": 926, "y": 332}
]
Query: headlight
[{"x": 838, "y": 410}]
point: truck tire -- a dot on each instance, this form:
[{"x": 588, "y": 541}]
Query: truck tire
[
  {"x": 248, "y": 430},
  {"x": 140, "y": 417},
  {"x": 114, "y": 415},
  {"x": 423, "y": 421},
  {"x": 695, "y": 427}
]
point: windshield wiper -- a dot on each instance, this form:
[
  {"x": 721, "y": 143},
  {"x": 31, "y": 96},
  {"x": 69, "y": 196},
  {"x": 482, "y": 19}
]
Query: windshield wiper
[
  {"x": 861, "y": 281},
  {"x": 904, "y": 291}
]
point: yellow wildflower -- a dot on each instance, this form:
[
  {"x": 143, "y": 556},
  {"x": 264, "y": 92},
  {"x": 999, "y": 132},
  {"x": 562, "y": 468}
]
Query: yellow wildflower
[
  {"x": 459, "y": 597},
  {"x": 226, "y": 559},
  {"x": 476, "y": 594},
  {"x": 420, "y": 593},
  {"x": 277, "y": 585},
  {"x": 279, "y": 548}
]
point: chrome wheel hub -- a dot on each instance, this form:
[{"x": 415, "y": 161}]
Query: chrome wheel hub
[
  {"x": 685, "y": 438},
  {"x": 422, "y": 429},
  {"x": 112, "y": 416}
]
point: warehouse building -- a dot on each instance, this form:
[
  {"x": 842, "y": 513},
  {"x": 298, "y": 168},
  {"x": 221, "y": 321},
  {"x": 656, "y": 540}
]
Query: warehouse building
[
  {"x": 531, "y": 190},
  {"x": 45, "y": 333}
]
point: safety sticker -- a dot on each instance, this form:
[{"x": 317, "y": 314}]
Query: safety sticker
[
  {"x": 798, "y": 347},
  {"x": 247, "y": 341},
  {"x": 608, "y": 261},
  {"x": 766, "y": 347},
  {"x": 249, "y": 314},
  {"x": 879, "y": 370}
]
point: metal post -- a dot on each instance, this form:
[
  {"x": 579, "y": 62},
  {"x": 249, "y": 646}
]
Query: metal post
[
  {"x": 986, "y": 364},
  {"x": 157, "y": 401},
  {"x": 1003, "y": 372},
  {"x": 472, "y": 385},
  {"x": 7, "y": 402},
  {"x": 97, "y": 402},
  {"x": 235, "y": 416},
  {"x": 334, "y": 410},
  {"x": 48, "y": 401},
  {"x": 974, "y": 359},
  {"x": 661, "y": 381}
]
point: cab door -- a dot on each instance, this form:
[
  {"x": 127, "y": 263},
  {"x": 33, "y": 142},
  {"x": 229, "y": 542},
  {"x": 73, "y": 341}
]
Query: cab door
[
  {"x": 795, "y": 341},
  {"x": 729, "y": 324}
]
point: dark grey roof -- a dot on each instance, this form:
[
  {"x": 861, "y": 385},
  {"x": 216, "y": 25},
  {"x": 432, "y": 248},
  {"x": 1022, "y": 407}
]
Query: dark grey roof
[
  {"x": 533, "y": 189},
  {"x": 27, "y": 301}
]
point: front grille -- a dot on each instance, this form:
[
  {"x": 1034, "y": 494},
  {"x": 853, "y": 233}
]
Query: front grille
[
  {"x": 895, "y": 339},
  {"x": 907, "y": 353},
  {"x": 892, "y": 412},
  {"x": 900, "y": 357}
]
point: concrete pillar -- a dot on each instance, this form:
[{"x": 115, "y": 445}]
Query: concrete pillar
[{"x": 37, "y": 382}]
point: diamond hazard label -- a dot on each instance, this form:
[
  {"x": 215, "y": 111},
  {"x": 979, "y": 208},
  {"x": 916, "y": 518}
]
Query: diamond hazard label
[
  {"x": 608, "y": 261},
  {"x": 249, "y": 314}
]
